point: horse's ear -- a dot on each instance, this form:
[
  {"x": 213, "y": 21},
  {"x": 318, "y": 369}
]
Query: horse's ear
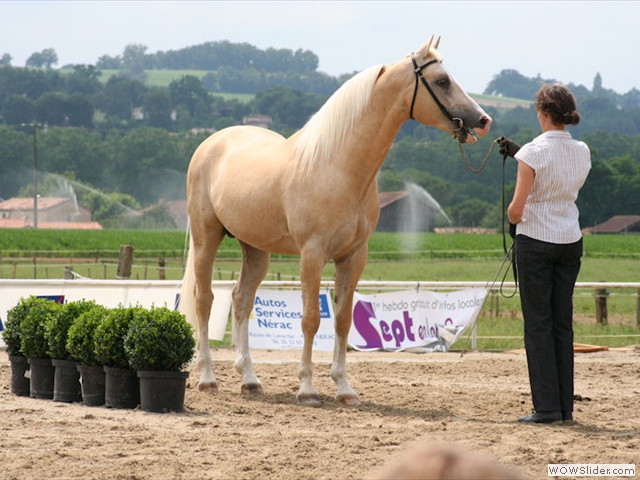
[
  {"x": 437, "y": 43},
  {"x": 423, "y": 51}
]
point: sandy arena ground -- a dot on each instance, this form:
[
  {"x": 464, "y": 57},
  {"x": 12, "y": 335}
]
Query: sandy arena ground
[{"x": 408, "y": 399}]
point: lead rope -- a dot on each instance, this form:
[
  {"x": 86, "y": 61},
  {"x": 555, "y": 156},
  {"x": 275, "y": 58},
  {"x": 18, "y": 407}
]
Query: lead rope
[
  {"x": 486, "y": 159},
  {"x": 509, "y": 254}
]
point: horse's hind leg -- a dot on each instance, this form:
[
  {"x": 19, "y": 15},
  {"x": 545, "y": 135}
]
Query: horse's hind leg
[
  {"x": 205, "y": 246},
  {"x": 255, "y": 264},
  {"x": 348, "y": 273}
]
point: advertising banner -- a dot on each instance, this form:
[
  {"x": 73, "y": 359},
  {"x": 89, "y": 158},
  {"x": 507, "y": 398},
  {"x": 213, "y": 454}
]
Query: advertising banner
[
  {"x": 411, "y": 319},
  {"x": 275, "y": 322}
]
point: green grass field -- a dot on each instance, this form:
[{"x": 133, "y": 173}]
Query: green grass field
[
  {"x": 162, "y": 78},
  {"x": 382, "y": 246}
]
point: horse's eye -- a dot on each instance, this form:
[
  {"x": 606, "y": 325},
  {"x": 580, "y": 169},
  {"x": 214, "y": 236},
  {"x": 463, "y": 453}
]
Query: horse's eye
[{"x": 443, "y": 81}]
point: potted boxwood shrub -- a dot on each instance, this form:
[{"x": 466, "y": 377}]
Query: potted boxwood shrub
[
  {"x": 159, "y": 344},
  {"x": 122, "y": 387},
  {"x": 35, "y": 346},
  {"x": 66, "y": 385},
  {"x": 82, "y": 347},
  {"x": 13, "y": 338}
]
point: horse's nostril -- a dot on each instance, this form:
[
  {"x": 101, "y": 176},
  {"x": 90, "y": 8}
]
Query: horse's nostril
[{"x": 484, "y": 121}]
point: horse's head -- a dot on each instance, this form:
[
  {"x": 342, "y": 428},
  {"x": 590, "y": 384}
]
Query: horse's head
[{"x": 439, "y": 100}]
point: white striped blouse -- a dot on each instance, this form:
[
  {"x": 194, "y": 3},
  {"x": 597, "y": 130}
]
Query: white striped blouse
[{"x": 561, "y": 166}]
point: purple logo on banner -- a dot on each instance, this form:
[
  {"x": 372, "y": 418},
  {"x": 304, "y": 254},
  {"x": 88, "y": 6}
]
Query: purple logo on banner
[
  {"x": 362, "y": 312},
  {"x": 397, "y": 330}
]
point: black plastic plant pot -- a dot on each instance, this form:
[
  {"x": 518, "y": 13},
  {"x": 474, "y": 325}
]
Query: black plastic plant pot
[
  {"x": 42, "y": 374},
  {"x": 122, "y": 388},
  {"x": 20, "y": 384},
  {"x": 162, "y": 392},
  {"x": 92, "y": 383},
  {"x": 66, "y": 384}
]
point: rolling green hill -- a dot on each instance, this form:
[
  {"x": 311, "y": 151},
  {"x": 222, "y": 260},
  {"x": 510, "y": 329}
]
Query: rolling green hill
[{"x": 162, "y": 78}]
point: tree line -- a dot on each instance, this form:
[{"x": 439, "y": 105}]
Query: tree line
[
  {"x": 79, "y": 99},
  {"x": 85, "y": 132},
  {"x": 232, "y": 67}
]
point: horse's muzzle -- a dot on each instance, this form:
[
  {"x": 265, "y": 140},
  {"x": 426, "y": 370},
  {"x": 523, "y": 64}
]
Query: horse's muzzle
[{"x": 466, "y": 135}]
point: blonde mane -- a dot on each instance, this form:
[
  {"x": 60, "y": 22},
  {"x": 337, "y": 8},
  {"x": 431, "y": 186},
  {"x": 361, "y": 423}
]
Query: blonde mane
[{"x": 327, "y": 129}]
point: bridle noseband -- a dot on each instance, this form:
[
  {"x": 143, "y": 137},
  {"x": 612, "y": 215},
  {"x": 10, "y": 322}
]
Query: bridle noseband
[{"x": 457, "y": 124}]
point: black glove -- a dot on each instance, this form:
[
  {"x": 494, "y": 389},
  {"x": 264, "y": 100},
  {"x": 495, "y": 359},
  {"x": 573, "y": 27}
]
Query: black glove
[
  {"x": 508, "y": 147},
  {"x": 512, "y": 230}
]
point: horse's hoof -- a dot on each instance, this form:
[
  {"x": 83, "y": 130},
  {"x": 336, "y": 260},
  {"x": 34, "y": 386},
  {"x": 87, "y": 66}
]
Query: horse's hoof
[
  {"x": 349, "y": 400},
  {"x": 209, "y": 387},
  {"x": 309, "y": 400},
  {"x": 252, "y": 389}
]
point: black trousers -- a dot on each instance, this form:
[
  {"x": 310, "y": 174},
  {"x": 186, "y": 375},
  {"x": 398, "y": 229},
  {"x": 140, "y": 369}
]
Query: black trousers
[{"x": 547, "y": 273}]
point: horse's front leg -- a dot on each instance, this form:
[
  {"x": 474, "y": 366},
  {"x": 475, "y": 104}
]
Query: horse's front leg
[
  {"x": 243, "y": 364},
  {"x": 348, "y": 273},
  {"x": 310, "y": 275}
]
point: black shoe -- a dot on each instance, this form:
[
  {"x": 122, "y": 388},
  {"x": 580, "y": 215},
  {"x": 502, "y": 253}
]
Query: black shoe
[
  {"x": 541, "y": 417},
  {"x": 567, "y": 416}
]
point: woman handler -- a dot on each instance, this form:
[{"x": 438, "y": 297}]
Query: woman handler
[{"x": 548, "y": 244}]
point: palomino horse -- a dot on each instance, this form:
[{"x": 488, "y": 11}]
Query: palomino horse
[{"x": 313, "y": 194}]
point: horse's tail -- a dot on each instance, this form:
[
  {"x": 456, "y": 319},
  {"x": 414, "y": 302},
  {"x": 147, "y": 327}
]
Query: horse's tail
[{"x": 188, "y": 291}]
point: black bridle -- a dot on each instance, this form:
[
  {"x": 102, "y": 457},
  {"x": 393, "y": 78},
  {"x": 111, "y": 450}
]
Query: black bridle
[{"x": 457, "y": 124}]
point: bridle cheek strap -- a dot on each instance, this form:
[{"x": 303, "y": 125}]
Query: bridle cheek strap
[{"x": 456, "y": 123}]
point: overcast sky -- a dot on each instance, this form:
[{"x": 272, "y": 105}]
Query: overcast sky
[{"x": 569, "y": 41}]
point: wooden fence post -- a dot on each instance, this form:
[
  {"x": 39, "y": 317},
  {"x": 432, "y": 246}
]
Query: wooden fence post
[
  {"x": 68, "y": 273},
  {"x": 638, "y": 311},
  {"x": 601, "y": 305},
  {"x": 124, "y": 263},
  {"x": 161, "y": 268}
]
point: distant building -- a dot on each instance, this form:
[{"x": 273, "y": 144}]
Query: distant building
[
  {"x": 617, "y": 224},
  {"x": 406, "y": 212},
  {"x": 53, "y": 212},
  {"x": 196, "y": 130},
  {"x": 176, "y": 209},
  {"x": 137, "y": 113},
  {"x": 257, "y": 120}
]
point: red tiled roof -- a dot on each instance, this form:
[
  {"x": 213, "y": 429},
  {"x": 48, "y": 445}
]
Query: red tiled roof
[
  {"x": 387, "y": 198},
  {"x": 22, "y": 223},
  {"x": 26, "y": 203}
]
